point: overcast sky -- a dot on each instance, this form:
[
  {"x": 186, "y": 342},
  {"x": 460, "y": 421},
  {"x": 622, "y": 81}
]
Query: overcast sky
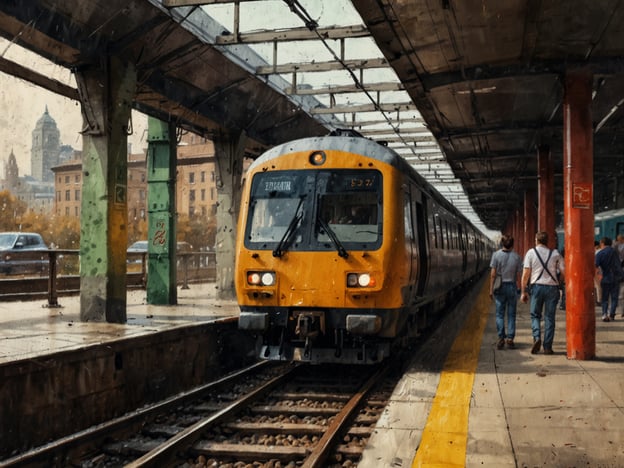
[{"x": 23, "y": 103}]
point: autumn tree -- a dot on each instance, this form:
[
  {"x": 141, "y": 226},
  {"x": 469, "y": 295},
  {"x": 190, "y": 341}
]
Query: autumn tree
[
  {"x": 11, "y": 211},
  {"x": 199, "y": 231}
]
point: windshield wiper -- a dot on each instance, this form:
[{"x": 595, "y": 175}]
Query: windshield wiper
[
  {"x": 281, "y": 246},
  {"x": 342, "y": 252}
]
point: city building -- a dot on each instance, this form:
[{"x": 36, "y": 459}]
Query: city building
[
  {"x": 37, "y": 189},
  {"x": 196, "y": 192},
  {"x": 68, "y": 187},
  {"x": 37, "y": 195},
  {"x": 46, "y": 148}
]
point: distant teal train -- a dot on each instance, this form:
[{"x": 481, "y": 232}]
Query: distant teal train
[{"x": 606, "y": 224}]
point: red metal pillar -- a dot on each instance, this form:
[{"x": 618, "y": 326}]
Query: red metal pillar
[
  {"x": 518, "y": 228},
  {"x": 578, "y": 170},
  {"x": 530, "y": 220},
  {"x": 546, "y": 194}
]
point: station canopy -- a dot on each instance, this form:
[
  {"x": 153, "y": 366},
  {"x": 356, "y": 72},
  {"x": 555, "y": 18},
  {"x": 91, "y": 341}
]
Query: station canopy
[
  {"x": 466, "y": 91},
  {"x": 323, "y": 50}
]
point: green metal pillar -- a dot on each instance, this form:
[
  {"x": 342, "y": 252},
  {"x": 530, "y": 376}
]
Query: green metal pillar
[
  {"x": 161, "y": 176},
  {"x": 106, "y": 93},
  {"x": 229, "y": 153}
]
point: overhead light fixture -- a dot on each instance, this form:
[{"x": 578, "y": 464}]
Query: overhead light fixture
[{"x": 485, "y": 90}]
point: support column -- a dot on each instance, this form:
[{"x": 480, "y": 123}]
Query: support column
[
  {"x": 546, "y": 194},
  {"x": 578, "y": 172},
  {"x": 106, "y": 95},
  {"x": 229, "y": 153},
  {"x": 161, "y": 209},
  {"x": 517, "y": 234},
  {"x": 530, "y": 224}
]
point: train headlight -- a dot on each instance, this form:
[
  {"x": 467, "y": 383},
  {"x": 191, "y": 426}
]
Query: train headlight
[
  {"x": 361, "y": 280},
  {"x": 261, "y": 278},
  {"x": 317, "y": 158},
  {"x": 364, "y": 280},
  {"x": 268, "y": 279},
  {"x": 352, "y": 280}
]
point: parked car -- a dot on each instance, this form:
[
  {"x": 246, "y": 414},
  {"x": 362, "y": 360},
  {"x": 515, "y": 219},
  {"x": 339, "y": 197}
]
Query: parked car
[
  {"x": 23, "y": 252},
  {"x": 141, "y": 247}
]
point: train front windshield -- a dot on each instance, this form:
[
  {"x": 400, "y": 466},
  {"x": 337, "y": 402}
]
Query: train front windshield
[{"x": 315, "y": 210}]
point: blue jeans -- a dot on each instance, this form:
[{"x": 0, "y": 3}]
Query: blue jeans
[
  {"x": 506, "y": 299},
  {"x": 546, "y": 298},
  {"x": 609, "y": 291}
]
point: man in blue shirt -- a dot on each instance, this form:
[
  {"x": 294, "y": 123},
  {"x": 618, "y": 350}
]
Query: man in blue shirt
[
  {"x": 508, "y": 265},
  {"x": 608, "y": 263}
]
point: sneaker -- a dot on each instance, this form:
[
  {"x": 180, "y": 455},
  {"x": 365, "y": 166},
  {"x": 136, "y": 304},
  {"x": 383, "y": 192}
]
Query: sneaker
[
  {"x": 536, "y": 346},
  {"x": 500, "y": 343},
  {"x": 612, "y": 317},
  {"x": 510, "y": 343},
  {"x": 548, "y": 351},
  {"x": 605, "y": 318}
]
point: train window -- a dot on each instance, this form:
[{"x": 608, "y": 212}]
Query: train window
[
  {"x": 352, "y": 217},
  {"x": 435, "y": 234},
  {"x": 349, "y": 202},
  {"x": 315, "y": 210},
  {"x": 407, "y": 214},
  {"x": 271, "y": 217},
  {"x": 276, "y": 208},
  {"x": 441, "y": 233}
]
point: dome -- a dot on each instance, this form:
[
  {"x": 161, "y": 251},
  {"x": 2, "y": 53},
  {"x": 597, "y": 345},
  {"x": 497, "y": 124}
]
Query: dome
[{"x": 46, "y": 120}]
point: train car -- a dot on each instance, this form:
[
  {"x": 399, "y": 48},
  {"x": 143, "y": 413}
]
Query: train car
[
  {"x": 344, "y": 250},
  {"x": 606, "y": 224},
  {"x": 609, "y": 224}
]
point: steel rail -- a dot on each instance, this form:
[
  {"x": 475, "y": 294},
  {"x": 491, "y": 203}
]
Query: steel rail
[
  {"x": 164, "y": 453},
  {"x": 319, "y": 454},
  {"x": 48, "y": 451}
]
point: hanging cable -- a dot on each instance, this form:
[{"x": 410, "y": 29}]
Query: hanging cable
[{"x": 312, "y": 25}]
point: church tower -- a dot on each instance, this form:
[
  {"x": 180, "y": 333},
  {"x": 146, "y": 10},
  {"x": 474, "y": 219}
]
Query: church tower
[
  {"x": 45, "y": 149},
  {"x": 11, "y": 173}
]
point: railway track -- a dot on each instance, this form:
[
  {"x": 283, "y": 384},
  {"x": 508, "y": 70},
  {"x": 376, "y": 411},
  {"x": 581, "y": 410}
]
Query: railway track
[{"x": 270, "y": 415}]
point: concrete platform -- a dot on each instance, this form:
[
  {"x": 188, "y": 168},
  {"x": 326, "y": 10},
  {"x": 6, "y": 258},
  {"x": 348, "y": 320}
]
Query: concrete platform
[{"x": 30, "y": 329}]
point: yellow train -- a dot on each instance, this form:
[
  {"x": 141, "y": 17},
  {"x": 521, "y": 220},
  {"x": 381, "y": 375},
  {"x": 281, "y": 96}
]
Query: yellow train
[{"x": 344, "y": 251}]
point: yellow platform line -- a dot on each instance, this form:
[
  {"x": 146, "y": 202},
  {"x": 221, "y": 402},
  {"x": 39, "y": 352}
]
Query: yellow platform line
[{"x": 445, "y": 435}]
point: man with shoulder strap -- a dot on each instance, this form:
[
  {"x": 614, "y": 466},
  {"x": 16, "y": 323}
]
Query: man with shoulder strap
[{"x": 540, "y": 271}]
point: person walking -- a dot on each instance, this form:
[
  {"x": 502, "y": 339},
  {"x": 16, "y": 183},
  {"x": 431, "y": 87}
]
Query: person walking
[
  {"x": 541, "y": 265},
  {"x": 608, "y": 262},
  {"x": 506, "y": 264},
  {"x": 597, "y": 277}
]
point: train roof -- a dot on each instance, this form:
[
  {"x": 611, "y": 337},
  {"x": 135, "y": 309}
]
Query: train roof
[
  {"x": 351, "y": 144},
  {"x": 359, "y": 145},
  {"x": 609, "y": 214}
]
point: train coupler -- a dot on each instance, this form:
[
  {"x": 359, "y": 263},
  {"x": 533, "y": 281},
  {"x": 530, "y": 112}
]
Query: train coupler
[{"x": 310, "y": 324}]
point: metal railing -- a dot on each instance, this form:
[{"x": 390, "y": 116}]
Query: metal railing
[{"x": 58, "y": 274}]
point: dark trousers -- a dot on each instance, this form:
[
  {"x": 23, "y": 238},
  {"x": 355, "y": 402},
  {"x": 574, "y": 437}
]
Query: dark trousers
[{"x": 610, "y": 292}]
